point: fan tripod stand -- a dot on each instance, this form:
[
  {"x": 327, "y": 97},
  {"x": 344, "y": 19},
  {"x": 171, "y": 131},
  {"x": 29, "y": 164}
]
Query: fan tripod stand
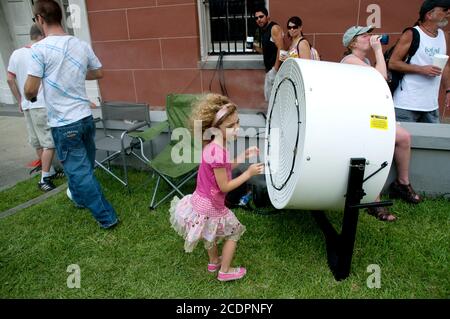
[{"x": 340, "y": 246}]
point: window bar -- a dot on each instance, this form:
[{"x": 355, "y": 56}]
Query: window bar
[
  {"x": 211, "y": 4},
  {"x": 227, "y": 19},
  {"x": 245, "y": 21},
  {"x": 235, "y": 41},
  {"x": 220, "y": 38}
]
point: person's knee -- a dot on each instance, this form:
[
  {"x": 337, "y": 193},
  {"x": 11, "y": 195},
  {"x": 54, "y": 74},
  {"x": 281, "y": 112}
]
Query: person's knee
[{"x": 403, "y": 138}]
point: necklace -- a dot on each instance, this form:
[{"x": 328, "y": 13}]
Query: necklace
[{"x": 433, "y": 33}]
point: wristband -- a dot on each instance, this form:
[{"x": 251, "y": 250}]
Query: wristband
[{"x": 447, "y": 91}]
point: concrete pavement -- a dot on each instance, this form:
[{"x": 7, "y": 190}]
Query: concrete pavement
[{"x": 15, "y": 152}]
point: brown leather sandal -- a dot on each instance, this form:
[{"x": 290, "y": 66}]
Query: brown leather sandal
[
  {"x": 405, "y": 192},
  {"x": 381, "y": 213}
]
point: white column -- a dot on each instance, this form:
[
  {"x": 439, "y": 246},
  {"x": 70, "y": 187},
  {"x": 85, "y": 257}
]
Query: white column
[{"x": 6, "y": 48}]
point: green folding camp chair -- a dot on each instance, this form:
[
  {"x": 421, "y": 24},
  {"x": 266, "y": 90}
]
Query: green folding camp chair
[{"x": 178, "y": 110}]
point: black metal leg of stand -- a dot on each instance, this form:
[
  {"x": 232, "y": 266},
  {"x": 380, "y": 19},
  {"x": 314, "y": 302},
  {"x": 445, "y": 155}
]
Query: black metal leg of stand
[
  {"x": 355, "y": 193},
  {"x": 331, "y": 238},
  {"x": 340, "y": 246}
]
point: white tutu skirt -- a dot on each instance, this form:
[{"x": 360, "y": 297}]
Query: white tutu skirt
[{"x": 194, "y": 226}]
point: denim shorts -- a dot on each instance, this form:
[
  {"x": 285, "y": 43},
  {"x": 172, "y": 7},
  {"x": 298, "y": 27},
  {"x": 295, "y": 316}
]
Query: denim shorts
[{"x": 403, "y": 115}]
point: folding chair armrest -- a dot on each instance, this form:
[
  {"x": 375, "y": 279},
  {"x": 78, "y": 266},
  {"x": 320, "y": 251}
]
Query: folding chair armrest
[
  {"x": 99, "y": 119},
  {"x": 152, "y": 132},
  {"x": 136, "y": 127}
]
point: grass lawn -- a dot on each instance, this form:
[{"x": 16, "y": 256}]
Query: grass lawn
[
  {"x": 23, "y": 192},
  {"x": 143, "y": 257}
]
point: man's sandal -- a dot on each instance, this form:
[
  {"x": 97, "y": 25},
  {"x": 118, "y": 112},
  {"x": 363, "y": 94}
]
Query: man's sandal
[{"x": 381, "y": 213}]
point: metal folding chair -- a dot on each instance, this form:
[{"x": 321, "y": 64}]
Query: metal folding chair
[{"x": 115, "y": 116}]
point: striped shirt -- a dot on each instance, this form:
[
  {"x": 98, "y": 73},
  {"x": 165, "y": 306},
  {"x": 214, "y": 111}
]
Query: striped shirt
[{"x": 62, "y": 63}]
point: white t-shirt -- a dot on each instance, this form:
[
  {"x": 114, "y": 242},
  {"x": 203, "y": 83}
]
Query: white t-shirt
[
  {"x": 417, "y": 92},
  {"x": 62, "y": 62},
  {"x": 18, "y": 66}
]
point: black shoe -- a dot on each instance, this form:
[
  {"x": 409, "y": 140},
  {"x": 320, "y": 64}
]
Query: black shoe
[
  {"x": 47, "y": 185},
  {"x": 58, "y": 174}
]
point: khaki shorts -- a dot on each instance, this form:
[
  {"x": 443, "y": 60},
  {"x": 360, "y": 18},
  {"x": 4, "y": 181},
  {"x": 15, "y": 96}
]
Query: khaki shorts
[{"x": 39, "y": 133}]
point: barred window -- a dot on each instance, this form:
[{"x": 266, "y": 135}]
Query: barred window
[{"x": 228, "y": 23}]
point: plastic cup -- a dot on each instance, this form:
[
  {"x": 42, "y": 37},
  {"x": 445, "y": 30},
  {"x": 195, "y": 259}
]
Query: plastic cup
[
  {"x": 440, "y": 60},
  {"x": 249, "y": 43}
]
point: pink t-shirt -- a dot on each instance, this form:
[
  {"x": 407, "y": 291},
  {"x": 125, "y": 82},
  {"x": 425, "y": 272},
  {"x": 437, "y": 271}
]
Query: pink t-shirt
[{"x": 213, "y": 156}]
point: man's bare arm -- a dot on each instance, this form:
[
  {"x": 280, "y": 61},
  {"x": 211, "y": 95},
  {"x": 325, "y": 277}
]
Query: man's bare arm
[
  {"x": 446, "y": 77},
  {"x": 396, "y": 62},
  {"x": 14, "y": 89},
  {"x": 31, "y": 88},
  {"x": 277, "y": 36},
  {"x": 94, "y": 74}
]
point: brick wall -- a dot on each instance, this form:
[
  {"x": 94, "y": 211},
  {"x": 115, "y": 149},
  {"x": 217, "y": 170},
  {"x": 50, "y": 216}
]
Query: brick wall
[{"x": 150, "y": 48}]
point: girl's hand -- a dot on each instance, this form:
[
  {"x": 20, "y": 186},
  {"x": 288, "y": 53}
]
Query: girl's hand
[
  {"x": 252, "y": 151},
  {"x": 375, "y": 42},
  {"x": 256, "y": 169}
]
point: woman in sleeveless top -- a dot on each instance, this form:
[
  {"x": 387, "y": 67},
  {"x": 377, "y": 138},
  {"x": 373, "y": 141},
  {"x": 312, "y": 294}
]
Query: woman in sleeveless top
[
  {"x": 299, "y": 47},
  {"x": 359, "y": 42}
]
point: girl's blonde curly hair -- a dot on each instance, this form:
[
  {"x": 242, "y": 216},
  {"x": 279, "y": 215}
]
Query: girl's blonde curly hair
[{"x": 206, "y": 108}]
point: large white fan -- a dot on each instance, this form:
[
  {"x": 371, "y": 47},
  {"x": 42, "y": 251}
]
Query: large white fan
[{"x": 322, "y": 114}]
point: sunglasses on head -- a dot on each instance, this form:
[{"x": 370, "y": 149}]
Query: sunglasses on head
[
  {"x": 259, "y": 17},
  {"x": 292, "y": 27}
]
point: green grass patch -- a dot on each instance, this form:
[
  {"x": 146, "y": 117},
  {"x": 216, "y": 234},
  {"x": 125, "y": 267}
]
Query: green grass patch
[
  {"x": 23, "y": 192},
  {"x": 284, "y": 253}
]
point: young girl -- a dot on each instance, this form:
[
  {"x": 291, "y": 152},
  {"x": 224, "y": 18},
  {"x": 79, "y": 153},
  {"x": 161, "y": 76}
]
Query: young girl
[{"x": 203, "y": 215}]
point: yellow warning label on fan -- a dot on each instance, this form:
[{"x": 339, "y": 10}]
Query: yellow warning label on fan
[{"x": 379, "y": 122}]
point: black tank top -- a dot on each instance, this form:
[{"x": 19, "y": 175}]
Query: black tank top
[{"x": 269, "y": 48}]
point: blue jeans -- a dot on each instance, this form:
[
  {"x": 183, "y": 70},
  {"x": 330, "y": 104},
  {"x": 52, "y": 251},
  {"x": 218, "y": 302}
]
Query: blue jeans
[
  {"x": 403, "y": 115},
  {"x": 75, "y": 147}
]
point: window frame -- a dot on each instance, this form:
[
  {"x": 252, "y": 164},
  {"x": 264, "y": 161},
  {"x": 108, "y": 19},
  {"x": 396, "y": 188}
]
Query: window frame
[{"x": 230, "y": 61}]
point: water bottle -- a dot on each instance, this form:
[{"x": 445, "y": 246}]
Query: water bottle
[{"x": 245, "y": 199}]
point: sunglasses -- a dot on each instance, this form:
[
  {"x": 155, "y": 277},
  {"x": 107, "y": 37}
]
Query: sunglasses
[
  {"x": 259, "y": 17},
  {"x": 35, "y": 17},
  {"x": 292, "y": 27}
]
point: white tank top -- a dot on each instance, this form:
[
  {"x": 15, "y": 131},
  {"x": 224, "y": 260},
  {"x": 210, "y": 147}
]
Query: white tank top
[{"x": 418, "y": 92}]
